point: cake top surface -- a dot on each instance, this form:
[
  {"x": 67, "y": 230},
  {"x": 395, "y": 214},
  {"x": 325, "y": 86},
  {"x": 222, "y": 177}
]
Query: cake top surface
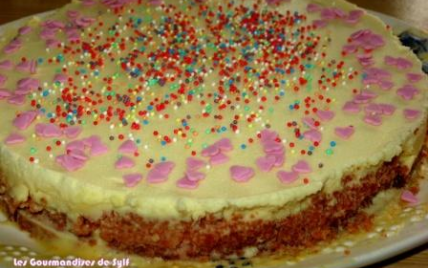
[{"x": 176, "y": 108}]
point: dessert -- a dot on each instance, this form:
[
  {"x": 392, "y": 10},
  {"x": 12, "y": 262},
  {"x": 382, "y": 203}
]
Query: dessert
[{"x": 194, "y": 129}]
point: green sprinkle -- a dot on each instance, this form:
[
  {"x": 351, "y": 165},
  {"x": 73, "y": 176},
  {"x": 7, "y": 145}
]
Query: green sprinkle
[{"x": 153, "y": 81}]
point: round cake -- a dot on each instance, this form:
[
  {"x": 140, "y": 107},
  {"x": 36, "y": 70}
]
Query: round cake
[{"x": 199, "y": 129}]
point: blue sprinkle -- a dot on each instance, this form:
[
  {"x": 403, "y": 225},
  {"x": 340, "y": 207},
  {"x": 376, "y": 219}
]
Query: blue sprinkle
[
  {"x": 243, "y": 146},
  {"x": 332, "y": 143}
]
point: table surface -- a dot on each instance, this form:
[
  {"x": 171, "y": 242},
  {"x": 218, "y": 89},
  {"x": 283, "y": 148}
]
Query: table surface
[{"x": 412, "y": 11}]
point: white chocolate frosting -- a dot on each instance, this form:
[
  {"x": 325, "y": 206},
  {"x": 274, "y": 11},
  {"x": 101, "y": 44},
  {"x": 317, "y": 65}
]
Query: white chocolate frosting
[{"x": 203, "y": 74}]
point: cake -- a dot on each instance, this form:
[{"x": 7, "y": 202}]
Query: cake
[{"x": 192, "y": 130}]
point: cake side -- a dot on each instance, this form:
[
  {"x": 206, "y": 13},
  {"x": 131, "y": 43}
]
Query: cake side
[{"x": 214, "y": 237}]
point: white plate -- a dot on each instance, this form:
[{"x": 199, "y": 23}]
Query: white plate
[{"x": 370, "y": 249}]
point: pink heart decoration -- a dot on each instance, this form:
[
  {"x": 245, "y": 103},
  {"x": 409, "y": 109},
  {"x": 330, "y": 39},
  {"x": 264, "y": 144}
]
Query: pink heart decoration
[
  {"x": 14, "y": 138},
  {"x": 409, "y": 197},
  {"x": 156, "y": 176},
  {"x": 344, "y": 132},
  {"x": 95, "y": 144},
  {"x": 98, "y": 149},
  {"x": 164, "y": 167},
  {"x": 287, "y": 177},
  {"x": 310, "y": 122},
  {"x": 411, "y": 114},
  {"x": 156, "y": 2},
  {"x": 89, "y": 142},
  {"x": 350, "y": 48},
  {"x": 70, "y": 163},
  {"x": 61, "y": 78},
  {"x": 72, "y": 132},
  {"x": 279, "y": 158},
  {"x": 4, "y": 94},
  {"x": 275, "y": 2},
  {"x": 48, "y": 130},
  {"x": 387, "y": 109},
  {"x": 89, "y": 3},
  {"x": 194, "y": 163},
  {"x": 195, "y": 175},
  {"x": 386, "y": 85},
  {"x": 17, "y": 100},
  {"x": 365, "y": 59},
  {"x": 241, "y": 173},
  {"x": 312, "y": 135},
  {"x": 210, "y": 151},
  {"x": 224, "y": 145},
  {"x": 266, "y": 163},
  {"x": 273, "y": 146},
  {"x": 24, "y": 120},
  {"x": 267, "y": 135},
  {"x": 400, "y": 63},
  {"x": 373, "y": 119},
  {"x": 24, "y": 30},
  {"x": 351, "y": 107},
  {"x": 131, "y": 180},
  {"x": 218, "y": 159},
  {"x": 413, "y": 78},
  {"x": 319, "y": 24},
  {"x": 30, "y": 83},
  {"x": 124, "y": 163},
  {"x": 6, "y": 65},
  {"x": 27, "y": 66},
  {"x": 75, "y": 145},
  {"x": 373, "y": 108},
  {"x": 407, "y": 92},
  {"x": 325, "y": 115},
  {"x": 302, "y": 167},
  {"x": 312, "y": 8},
  {"x": 2, "y": 79},
  {"x": 13, "y": 46},
  {"x": 78, "y": 154},
  {"x": 128, "y": 147},
  {"x": 361, "y": 99},
  {"x": 187, "y": 184},
  {"x": 354, "y": 16},
  {"x": 53, "y": 43}
]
